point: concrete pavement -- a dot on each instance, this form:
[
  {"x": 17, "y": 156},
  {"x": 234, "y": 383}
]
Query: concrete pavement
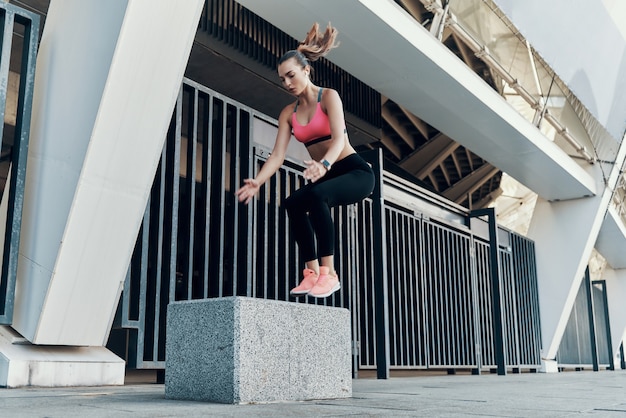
[{"x": 585, "y": 393}]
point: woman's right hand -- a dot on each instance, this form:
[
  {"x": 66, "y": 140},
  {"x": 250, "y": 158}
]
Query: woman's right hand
[{"x": 248, "y": 190}]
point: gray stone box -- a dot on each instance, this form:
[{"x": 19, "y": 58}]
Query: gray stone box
[{"x": 243, "y": 350}]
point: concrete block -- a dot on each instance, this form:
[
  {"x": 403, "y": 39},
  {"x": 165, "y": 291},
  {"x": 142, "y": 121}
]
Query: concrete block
[{"x": 244, "y": 350}]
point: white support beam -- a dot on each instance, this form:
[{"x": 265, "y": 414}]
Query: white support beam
[
  {"x": 108, "y": 75},
  {"x": 565, "y": 234}
]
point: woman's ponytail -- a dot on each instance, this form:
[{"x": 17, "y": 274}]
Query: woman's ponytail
[
  {"x": 314, "y": 46},
  {"x": 317, "y": 44}
]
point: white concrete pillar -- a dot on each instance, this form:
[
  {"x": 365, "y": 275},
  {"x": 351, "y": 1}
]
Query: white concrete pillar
[
  {"x": 107, "y": 78},
  {"x": 565, "y": 234},
  {"x": 108, "y": 74}
]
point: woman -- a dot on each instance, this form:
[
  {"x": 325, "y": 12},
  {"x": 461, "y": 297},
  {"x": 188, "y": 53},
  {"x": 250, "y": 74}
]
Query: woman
[{"x": 337, "y": 175}]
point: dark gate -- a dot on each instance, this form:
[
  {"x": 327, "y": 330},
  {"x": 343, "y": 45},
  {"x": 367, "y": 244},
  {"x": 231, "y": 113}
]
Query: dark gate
[
  {"x": 412, "y": 264},
  {"x": 586, "y": 342}
]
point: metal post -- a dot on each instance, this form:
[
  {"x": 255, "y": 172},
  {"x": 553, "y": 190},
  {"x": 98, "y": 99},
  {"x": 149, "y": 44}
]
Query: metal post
[
  {"x": 381, "y": 307},
  {"x": 592, "y": 321},
  {"x": 605, "y": 306},
  {"x": 496, "y": 294},
  {"x": 17, "y": 175}
]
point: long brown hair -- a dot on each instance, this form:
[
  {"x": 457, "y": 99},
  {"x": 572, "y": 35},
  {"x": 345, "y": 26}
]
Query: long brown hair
[{"x": 314, "y": 46}]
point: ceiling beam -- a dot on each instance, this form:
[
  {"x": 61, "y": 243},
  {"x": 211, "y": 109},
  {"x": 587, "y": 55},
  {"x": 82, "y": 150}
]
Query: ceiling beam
[
  {"x": 466, "y": 53},
  {"x": 390, "y": 145},
  {"x": 486, "y": 200},
  {"x": 419, "y": 124},
  {"x": 415, "y": 8},
  {"x": 400, "y": 129},
  {"x": 430, "y": 155},
  {"x": 457, "y": 165},
  {"x": 470, "y": 183}
]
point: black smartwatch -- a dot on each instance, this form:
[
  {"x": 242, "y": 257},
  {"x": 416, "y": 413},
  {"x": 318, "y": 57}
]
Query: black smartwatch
[{"x": 326, "y": 164}]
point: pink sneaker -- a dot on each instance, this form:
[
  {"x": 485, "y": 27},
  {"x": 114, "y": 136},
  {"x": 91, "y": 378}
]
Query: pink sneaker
[
  {"x": 310, "y": 278},
  {"x": 326, "y": 284}
]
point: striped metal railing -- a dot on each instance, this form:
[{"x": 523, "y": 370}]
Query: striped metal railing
[
  {"x": 416, "y": 269},
  {"x": 586, "y": 342}
]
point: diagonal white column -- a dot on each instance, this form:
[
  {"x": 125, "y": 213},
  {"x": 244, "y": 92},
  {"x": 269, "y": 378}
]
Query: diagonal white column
[
  {"x": 565, "y": 234},
  {"x": 107, "y": 79}
]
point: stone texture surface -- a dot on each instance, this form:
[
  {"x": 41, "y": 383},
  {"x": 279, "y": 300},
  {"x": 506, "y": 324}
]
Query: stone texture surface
[{"x": 244, "y": 350}]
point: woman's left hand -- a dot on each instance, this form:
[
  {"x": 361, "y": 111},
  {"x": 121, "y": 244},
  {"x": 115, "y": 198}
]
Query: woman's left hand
[{"x": 314, "y": 170}]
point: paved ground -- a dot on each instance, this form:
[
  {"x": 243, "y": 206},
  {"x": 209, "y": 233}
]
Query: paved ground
[{"x": 599, "y": 394}]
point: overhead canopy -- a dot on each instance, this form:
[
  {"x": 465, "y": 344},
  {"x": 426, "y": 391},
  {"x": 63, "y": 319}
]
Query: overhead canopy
[
  {"x": 598, "y": 76},
  {"x": 388, "y": 50}
]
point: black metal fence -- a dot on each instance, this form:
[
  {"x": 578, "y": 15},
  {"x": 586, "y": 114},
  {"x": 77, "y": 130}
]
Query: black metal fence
[
  {"x": 418, "y": 279},
  {"x": 19, "y": 37}
]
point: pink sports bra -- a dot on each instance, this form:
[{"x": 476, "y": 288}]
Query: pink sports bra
[{"x": 317, "y": 130}]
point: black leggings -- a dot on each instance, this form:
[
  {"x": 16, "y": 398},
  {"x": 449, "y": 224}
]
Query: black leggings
[{"x": 349, "y": 181}]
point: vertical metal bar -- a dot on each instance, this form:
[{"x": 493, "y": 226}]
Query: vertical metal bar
[
  {"x": 354, "y": 295},
  {"x": 452, "y": 288},
  {"x": 207, "y": 180},
  {"x": 250, "y": 213},
  {"x": 265, "y": 193},
  {"x": 399, "y": 329},
  {"x": 176, "y": 195},
  {"x": 430, "y": 319},
  {"x": 535, "y": 301},
  {"x": 143, "y": 268},
  {"x": 437, "y": 317},
  {"x": 275, "y": 208},
  {"x": 475, "y": 306},
  {"x": 461, "y": 298},
  {"x": 381, "y": 292},
  {"x": 592, "y": 320},
  {"x": 467, "y": 306},
  {"x": 496, "y": 281},
  {"x": 191, "y": 181},
  {"x": 222, "y": 197},
  {"x": 15, "y": 184},
  {"x": 514, "y": 322},
  {"x": 424, "y": 290},
  {"x": 390, "y": 244},
  {"x": 7, "y": 279},
  {"x": 406, "y": 311},
  {"x": 235, "y": 169},
  {"x": 160, "y": 239},
  {"x": 413, "y": 298},
  {"x": 136, "y": 352},
  {"x": 369, "y": 308},
  {"x": 254, "y": 254},
  {"x": 607, "y": 323}
]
